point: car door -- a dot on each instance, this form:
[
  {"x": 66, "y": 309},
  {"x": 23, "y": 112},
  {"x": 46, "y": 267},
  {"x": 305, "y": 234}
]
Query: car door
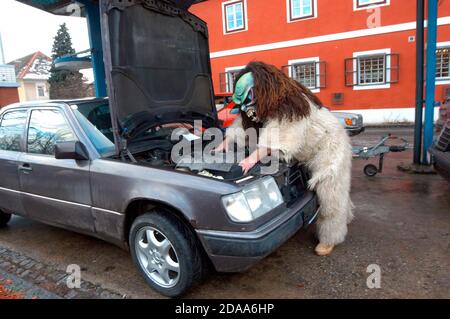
[
  {"x": 54, "y": 191},
  {"x": 12, "y": 129}
]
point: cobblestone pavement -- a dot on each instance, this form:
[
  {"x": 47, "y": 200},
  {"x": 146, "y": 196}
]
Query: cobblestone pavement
[{"x": 22, "y": 277}]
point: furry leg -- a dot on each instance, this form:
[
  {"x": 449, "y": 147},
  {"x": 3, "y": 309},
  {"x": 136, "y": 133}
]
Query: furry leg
[{"x": 335, "y": 211}]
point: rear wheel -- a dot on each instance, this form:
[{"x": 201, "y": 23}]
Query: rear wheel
[
  {"x": 370, "y": 170},
  {"x": 4, "y": 219},
  {"x": 166, "y": 253}
]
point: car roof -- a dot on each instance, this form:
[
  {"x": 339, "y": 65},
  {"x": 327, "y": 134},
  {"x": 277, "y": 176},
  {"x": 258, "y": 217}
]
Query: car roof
[{"x": 53, "y": 102}]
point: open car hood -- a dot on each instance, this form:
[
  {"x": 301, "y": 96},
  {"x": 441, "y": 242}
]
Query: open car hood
[{"x": 157, "y": 65}]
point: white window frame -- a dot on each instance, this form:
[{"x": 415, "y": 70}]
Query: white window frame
[
  {"x": 224, "y": 17},
  {"x": 41, "y": 85},
  {"x": 370, "y": 6},
  {"x": 289, "y": 9},
  {"x": 291, "y": 63},
  {"x": 446, "y": 80},
  {"x": 231, "y": 69},
  {"x": 357, "y": 86}
]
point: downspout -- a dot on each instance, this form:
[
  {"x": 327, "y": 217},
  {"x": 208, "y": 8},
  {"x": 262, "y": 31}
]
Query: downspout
[
  {"x": 430, "y": 79},
  {"x": 420, "y": 47}
]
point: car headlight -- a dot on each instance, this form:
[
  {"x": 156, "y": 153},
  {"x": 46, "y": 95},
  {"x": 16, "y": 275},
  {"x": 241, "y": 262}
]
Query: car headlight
[{"x": 254, "y": 201}]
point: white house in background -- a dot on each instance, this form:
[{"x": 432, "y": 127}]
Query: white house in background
[{"x": 33, "y": 72}]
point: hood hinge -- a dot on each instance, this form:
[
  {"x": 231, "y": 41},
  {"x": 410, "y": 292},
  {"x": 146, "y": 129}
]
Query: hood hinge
[{"x": 125, "y": 152}]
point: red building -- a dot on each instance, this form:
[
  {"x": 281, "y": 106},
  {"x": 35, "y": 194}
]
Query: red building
[
  {"x": 356, "y": 55},
  {"x": 8, "y": 86}
]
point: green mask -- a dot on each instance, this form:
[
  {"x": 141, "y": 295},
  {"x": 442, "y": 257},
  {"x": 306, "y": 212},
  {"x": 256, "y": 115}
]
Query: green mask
[{"x": 241, "y": 93}]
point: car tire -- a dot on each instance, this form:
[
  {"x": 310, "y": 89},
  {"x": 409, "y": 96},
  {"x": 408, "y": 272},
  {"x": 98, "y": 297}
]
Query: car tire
[
  {"x": 149, "y": 236},
  {"x": 4, "y": 219},
  {"x": 370, "y": 170}
]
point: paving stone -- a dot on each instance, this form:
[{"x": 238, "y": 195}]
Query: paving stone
[
  {"x": 25, "y": 273},
  {"x": 30, "y": 264},
  {"x": 25, "y": 262},
  {"x": 71, "y": 294},
  {"x": 38, "y": 280}
]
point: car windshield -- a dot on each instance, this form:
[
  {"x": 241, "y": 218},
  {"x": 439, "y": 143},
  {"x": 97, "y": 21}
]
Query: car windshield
[{"x": 95, "y": 120}]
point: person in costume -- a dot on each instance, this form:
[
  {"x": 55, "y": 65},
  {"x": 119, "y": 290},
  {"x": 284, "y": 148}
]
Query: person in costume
[{"x": 268, "y": 99}]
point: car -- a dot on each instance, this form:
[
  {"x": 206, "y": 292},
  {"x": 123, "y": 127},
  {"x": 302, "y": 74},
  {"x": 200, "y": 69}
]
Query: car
[
  {"x": 104, "y": 166},
  {"x": 352, "y": 122},
  {"x": 444, "y": 114},
  {"x": 441, "y": 152}
]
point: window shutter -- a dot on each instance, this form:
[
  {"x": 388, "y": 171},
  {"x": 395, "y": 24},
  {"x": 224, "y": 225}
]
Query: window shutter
[
  {"x": 351, "y": 70},
  {"x": 322, "y": 76},
  {"x": 223, "y": 82},
  {"x": 395, "y": 67},
  {"x": 285, "y": 69}
]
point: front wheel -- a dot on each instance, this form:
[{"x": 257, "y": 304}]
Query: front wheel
[
  {"x": 166, "y": 253},
  {"x": 4, "y": 219}
]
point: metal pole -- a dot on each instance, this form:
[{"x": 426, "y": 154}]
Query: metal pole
[
  {"x": 430, "y": 79},
  {"x": 2, "y": 53},
  {"x": 419, "y": 80},
  {"x": 95, "y": 39}
]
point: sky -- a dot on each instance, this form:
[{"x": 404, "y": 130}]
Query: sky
[{"x": 25, "y": 30}]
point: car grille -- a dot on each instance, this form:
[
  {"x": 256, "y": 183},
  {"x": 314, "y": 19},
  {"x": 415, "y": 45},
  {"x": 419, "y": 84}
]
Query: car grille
[
  {"x": 359, "y": 120},
  {"x": 293, "y": 183},
  {"x": 443, "y": 143}
]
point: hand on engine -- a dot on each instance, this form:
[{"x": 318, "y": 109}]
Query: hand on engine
[{"x": 247, "y": 164}]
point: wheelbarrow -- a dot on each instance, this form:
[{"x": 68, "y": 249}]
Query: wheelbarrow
[{"x": 379, "y": 150}]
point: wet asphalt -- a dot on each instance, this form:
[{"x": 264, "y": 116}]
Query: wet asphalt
[{"x": 402, "y": 226}]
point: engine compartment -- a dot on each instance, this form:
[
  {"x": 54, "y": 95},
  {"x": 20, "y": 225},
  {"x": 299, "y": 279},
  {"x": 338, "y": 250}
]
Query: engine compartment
[{"x": 155, "y": 149}]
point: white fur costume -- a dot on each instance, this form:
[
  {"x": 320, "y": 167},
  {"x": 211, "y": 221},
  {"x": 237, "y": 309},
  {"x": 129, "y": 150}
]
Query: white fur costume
[{"x": 320, "y": 142}]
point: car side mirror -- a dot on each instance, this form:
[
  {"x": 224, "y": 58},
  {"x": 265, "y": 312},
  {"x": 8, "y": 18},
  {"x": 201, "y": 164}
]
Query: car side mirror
[{"x": 71, "y": 150}]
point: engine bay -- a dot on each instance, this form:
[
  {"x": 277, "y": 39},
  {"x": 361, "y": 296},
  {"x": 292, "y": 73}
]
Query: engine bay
[{"x": 157, "y": 148}]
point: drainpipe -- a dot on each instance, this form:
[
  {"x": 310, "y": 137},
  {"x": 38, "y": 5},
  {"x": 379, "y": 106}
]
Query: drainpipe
[
  {"x": 419, "y": 80},
  {"x": 430, "y": 79}
]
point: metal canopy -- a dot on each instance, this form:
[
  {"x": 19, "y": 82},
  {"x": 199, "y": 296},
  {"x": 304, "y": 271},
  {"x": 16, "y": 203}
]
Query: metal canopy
[
  {"x": 67, "y": 8},
  {"x": 90, "y": 10},
  {"x": 59, "y": 7}
]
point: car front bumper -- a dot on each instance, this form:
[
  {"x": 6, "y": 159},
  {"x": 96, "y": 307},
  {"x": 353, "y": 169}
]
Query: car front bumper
[
  {"x": 238, "y": 251},
  {"x": 352, "y": 131}
]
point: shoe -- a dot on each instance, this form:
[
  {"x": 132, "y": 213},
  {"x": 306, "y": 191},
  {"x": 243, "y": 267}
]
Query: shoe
[{"x": 324, "y": 249}]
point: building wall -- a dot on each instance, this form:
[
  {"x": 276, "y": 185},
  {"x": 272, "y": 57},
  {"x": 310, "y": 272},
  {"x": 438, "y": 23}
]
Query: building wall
[
  {"x": 22, "y": 93},
  {"x": 336, "y": 34},
  {"x": 8, "y": 96},
  {"x": 28, "y": 90}
]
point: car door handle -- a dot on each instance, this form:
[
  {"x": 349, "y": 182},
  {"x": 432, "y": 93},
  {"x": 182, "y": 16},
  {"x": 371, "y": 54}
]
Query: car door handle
[{"x": 25, "y": 168}]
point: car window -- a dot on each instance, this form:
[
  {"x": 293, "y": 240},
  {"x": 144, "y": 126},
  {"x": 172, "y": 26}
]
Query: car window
[
  {"x": 99, "y": 139},
  {"x": 12, "y": 127},
  {"x": 99, "y": 116},
  {"x": 47, "y": 127}
]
